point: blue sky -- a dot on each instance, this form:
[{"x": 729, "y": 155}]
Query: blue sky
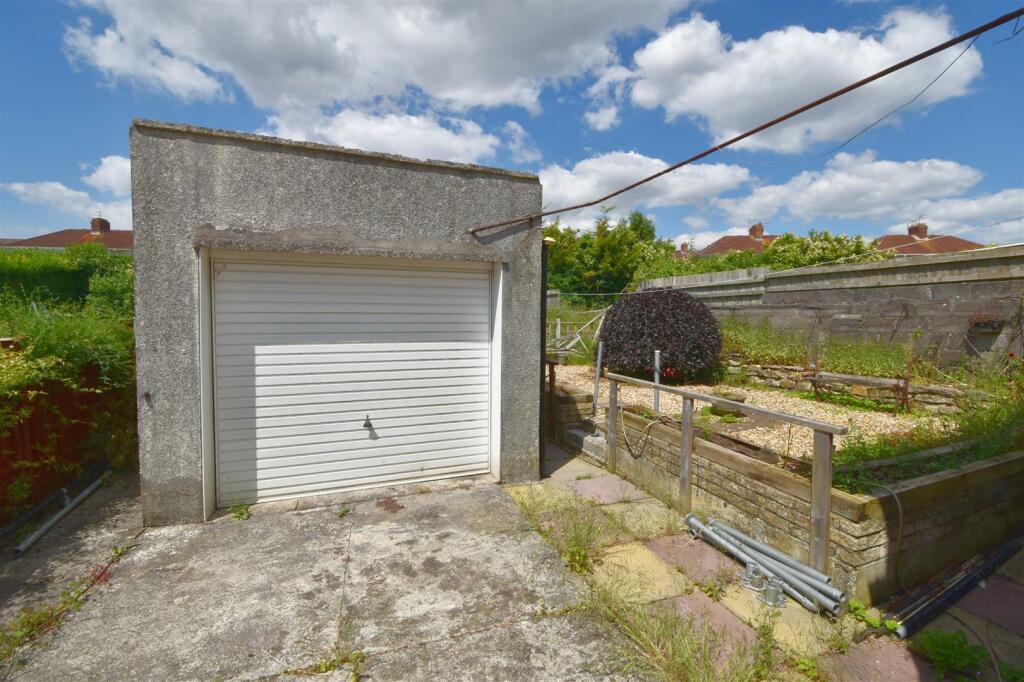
[{"x": 590, "y": 95}]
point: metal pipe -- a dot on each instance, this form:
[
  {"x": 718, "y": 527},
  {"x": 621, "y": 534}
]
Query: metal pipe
[
  {"x": 770, "y": 551},
  {"x": 726, "y": 545},
  {"x": 64, "y": 511},
  {"x": 597, "y": 374},
  {"x": 829, "y": 591},
  {"x": 797, "y": 583},
  {"x": 657, "y": 378}
]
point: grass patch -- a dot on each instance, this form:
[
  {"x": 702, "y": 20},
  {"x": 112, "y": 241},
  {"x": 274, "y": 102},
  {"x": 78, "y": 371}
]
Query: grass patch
[
  {"x": 847, "y": 400},
  {"x": 240, "y": 512},
  {"x": 576, "y": 528},
  {"x": 658, "y": 643},
  {"x": 31, "y": 624},
  {"x": 994, "y": 430}
]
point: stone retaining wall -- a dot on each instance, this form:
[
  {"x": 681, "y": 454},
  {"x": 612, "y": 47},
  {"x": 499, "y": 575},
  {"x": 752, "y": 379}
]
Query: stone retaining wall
[
  {"x": 947, "y": 517},
  {"x": 935, "y": 399}
]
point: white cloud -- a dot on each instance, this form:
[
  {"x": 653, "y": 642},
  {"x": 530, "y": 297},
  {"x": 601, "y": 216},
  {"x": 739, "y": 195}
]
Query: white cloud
[
  {"x": 854, "y": 186},
  {"x": 695, "y": 70},
  {"x": 73, "y": 202},
  {"x": 309, "y": 53},
  {"x": 426, "y": 136},
  {"x": 604, "y": 173},
  {"x": 521, "y": 146},
  {"x": 114, "y": 175},
  {"x": 603, "y": 119},
  {"x": 126, "y": 56},
  {"x": 971, "y": 217},
  {"x": 698, "y": 240}
]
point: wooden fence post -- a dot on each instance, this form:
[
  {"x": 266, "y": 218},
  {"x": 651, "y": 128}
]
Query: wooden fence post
[
  {"x": 613, "y": 410},
  {"x": 686, "y": 457},
  {"x": 821, "y": 501},
  {"x": 597, "y": 376}
]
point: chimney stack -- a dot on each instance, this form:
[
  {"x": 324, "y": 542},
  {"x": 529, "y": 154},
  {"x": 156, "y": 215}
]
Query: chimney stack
[
  {"x": 99, "y": 225},
  {"x": 918, "y": 230},
  {"x": 757, "y": 231}
]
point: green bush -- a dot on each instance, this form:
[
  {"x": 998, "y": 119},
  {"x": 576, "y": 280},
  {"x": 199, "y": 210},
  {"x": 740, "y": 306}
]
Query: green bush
[
  {"x": 679, "y": 325},
  {"x": 950, "y": 652},
  {"x": 58, "y": 275}
]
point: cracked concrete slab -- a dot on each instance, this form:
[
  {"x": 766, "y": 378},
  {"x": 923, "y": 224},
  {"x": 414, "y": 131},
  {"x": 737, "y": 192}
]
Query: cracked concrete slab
[{"x": 449, "y": 584}]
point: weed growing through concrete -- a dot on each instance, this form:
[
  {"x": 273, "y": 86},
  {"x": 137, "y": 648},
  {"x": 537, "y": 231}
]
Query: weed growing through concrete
[
  {"x": 31, "y": 624},
  {"x": 584, "y": 477},
  {"x": 715, "y": 586},
  {"x": 766, "y": 658},
  {"x": 240, "y": 512},
  {"x": 343, "y": 512},
  {"x": 573, "y": 526},
  {"x": 657, "y": 642}
]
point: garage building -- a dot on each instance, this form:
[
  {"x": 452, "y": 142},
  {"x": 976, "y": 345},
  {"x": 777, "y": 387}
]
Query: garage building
[{"x": 312, "y": 319}]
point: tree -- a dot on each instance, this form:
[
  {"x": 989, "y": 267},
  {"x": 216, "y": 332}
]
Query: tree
[{"x": 603, "y": 260}]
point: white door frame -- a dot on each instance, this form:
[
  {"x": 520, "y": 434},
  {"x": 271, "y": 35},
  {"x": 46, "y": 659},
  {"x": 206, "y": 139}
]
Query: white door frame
[{"x": 206, "y": 259}]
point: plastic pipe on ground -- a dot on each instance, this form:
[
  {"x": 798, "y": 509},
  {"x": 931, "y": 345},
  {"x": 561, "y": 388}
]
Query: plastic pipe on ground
[
  {"x": 957, "y": 589},
  {"x": 781, "y": 557},
  {"x": 64, "y": 511},
  {"x": 729, "y": 547}
]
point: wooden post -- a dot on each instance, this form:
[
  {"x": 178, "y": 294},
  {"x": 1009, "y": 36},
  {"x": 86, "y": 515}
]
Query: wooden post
[
  {"x": 657, "y": 379},
  {"x": 613, "y": 414},
  {"x": 552, "y": 400},
  {"x": 821, "y": 501},
  {"x": 558, "y": 327},
  {"x": 597, "y": 375},
  {"x": 686, "y": 457}
]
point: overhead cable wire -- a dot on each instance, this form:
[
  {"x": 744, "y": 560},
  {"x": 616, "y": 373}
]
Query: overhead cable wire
[
  {"x": 905, "y": 104},
  {"x": 1006, "y": 18}
]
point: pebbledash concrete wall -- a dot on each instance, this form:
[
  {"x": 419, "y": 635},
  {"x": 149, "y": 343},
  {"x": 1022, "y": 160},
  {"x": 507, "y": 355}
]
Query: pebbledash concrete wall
[
  {"x": 196, "y": 187},
  {"x": 946, "y": 517},
  {"x": 960, "y": 303}
]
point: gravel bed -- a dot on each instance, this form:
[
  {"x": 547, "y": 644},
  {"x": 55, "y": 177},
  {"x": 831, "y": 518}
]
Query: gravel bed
[{"x": 785, "y": 439}]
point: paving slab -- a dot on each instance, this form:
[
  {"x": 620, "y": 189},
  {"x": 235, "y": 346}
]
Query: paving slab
[
  {"x": 438, "y": 576},
  {"x": 998, "y": 601},
  {"x": 606, "y": 489},
  {"x": 796, "y": 630},
  {"x": 543, "y": 496},
  {"x": 736, "y": 634},
  {"x": 877, "y": 659},
  {"x": 1013, "y": 569},
  {"x": 645, "y": 518},
  {"x": 638, "y": 573},
  {"x": 698, "y": 560},
  {"x": 575, "y": 469}
]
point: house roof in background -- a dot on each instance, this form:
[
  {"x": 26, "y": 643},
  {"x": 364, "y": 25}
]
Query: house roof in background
[
  {"x": 939, "y": 243},
  {"x": 739, "y": 242},
  {"x": 112, "y": 239}
]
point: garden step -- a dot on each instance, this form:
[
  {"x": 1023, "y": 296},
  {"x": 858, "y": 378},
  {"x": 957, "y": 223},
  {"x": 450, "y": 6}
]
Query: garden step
[{"x": 581, "y": 438}]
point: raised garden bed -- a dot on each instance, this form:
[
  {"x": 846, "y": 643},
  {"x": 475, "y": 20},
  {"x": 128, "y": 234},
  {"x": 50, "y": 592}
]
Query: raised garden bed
[{"x": 946, "y": 517}]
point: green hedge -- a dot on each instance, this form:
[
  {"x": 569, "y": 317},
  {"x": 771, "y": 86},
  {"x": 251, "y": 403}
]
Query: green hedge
[
  {"x": 60, "y": 275},
  {"x": 77, "y": 349}
]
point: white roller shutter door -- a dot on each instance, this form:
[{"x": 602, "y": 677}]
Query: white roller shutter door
[{"x": 303, "y": 353}]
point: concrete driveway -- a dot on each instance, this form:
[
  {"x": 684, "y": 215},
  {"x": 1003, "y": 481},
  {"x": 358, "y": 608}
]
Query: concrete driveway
[{"x": 445, "y": 581}]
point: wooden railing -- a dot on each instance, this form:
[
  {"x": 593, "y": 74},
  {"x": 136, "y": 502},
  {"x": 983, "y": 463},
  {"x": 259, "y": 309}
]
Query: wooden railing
[{"x": 821, "y": 464}]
